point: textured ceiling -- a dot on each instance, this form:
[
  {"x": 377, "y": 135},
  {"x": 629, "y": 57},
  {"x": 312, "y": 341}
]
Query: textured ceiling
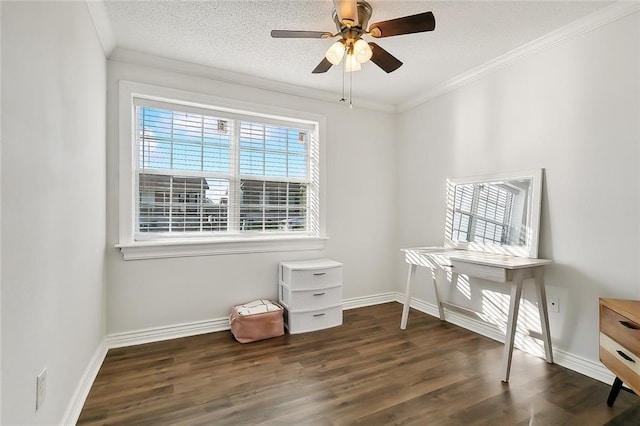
[{"x": 234, "y": 35}]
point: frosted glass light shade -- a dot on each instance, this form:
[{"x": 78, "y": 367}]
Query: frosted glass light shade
[
  {"x": 335, "y": 53},
  {"x": 362, "y": 51},
  {"x": 351, "y": 63}
]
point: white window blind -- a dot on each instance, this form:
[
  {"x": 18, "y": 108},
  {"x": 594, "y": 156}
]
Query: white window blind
[
  {"x": 202, "y": 172},
  {"x": 482, "y": 211}
]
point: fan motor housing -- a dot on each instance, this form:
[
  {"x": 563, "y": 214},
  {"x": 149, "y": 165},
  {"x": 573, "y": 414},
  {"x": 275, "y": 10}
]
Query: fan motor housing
[{"x": 364, "y": 13}]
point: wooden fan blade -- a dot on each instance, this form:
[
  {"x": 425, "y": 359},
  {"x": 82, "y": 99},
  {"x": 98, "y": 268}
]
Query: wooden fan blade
[
  {"x": 299, "y": 34},
  {"x": 322, "y": 67},
  {"x": 384, "y": 59},
  {"x": 347, "y": 11},
  {"x": 407, "y": 25}
]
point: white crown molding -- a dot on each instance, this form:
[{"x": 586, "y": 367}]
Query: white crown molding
[
  {"x": 74, "y": 408},
  {"x": 102, "y": 24},
  {"x": 591, "y": 22},
  {"x": 202, "y": 71}
]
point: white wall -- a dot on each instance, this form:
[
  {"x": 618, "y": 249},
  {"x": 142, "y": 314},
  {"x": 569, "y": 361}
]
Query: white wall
[
  {"x": 572, "y": 109},
  {"x": 1, "y": 138},
  {"x": 360, "y": 183},
  {"x": 53, "y": 204}
]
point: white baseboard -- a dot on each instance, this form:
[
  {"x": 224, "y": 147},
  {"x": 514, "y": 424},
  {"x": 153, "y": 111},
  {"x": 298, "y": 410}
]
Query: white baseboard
[
  {"x": 361, "y": 302},
  {"x": 593, "y": 369},
  {"x": 581, "y": 365},
  {"x": 464, "y": 321},
  {"x": 72, "y": 413},
  {"x": 568, "y": 360},
  {"x": 157, "y": 334},
  {"x": 589, "y": 368}
]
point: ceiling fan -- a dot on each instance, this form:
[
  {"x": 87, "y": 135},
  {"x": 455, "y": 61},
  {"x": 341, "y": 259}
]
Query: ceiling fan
[{"x": 351, "y": 18}]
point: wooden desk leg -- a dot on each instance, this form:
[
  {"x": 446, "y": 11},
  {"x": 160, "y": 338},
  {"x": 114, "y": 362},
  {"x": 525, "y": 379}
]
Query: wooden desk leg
[
  {"x": 407, "y": 297},
  {"x": 538, "y": 275},
  {"x": 514, "y": 307}
]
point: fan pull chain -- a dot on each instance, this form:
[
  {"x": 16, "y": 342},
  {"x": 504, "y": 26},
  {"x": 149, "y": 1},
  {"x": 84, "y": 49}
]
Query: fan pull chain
[
  {"x": 344, "y": 71},
  {"x": 351, "y": 91}
]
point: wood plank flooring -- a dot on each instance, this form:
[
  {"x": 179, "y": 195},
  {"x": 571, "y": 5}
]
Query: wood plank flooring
[{"x": 365, "y": 372}]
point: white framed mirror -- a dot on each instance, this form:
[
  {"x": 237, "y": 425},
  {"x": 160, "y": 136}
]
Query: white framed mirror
[{"x": 497, "y": 213}]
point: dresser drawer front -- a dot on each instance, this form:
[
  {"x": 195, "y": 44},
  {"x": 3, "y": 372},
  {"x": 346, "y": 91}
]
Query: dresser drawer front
[
  {"x": 490, "y": 273},
  {"x": 312, "y": 299},
  {"x": 313, "y": 278},
  {"x": 305, "y": 321},
  {"x": 620, "y": 329},
  {"x": 621, "y": 360}
]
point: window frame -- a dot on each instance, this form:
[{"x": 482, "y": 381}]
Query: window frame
[{"x": 133, "y": 248}]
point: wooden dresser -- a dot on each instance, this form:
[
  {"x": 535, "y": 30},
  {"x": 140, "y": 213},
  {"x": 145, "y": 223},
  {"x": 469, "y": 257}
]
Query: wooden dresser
[{"x": 620, "y": 343}]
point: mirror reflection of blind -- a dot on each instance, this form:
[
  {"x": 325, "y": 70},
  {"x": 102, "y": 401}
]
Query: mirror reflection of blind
[
  {"x": 493, "y": 214},
  {"x": 482, "y": 214},
  {"x": 202, "y": 173},
  {"x": 462, "y": 209}
]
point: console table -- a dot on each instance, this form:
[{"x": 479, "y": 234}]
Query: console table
[{"x": 505, "y": 269}]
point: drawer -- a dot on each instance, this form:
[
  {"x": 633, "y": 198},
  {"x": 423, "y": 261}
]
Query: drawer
[
  {"x": 312, "y": 278},
  {"x": 305, "y": 321},
  {"x": 621, "y": 360},
  {"x": 490, "y": 273},
  {"x": 313, "y": 298},
  {"x": 620, "y": 329}
]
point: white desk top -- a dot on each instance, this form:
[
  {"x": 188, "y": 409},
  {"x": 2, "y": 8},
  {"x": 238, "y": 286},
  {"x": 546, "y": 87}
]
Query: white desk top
[{"x": 480, "y": 258}]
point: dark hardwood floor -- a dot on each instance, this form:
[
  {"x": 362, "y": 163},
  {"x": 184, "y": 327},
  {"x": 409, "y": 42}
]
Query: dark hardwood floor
[{"x": 366, "y": 372}]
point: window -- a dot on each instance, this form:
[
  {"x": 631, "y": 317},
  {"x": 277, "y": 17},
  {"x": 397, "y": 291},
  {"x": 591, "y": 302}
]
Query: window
[{"x": 215, "y": 174}]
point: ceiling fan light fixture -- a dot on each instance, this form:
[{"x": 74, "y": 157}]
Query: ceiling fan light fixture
[
  {"x": 351, "y": 63},
  {"x": 362, "y": 51},
  {"x": 351, "y": 18},
  {"x": 335, "y": 53}
]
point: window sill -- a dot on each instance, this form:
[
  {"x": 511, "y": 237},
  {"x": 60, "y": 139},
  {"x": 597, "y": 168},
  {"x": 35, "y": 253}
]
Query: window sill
[{"x": 141, "y": 250}]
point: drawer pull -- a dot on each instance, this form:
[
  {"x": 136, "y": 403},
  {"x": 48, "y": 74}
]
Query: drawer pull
[
  {"x": 319, "y": 294},
  {"x": 629, "y": 325},
  {"x": 625, "y": 356},
  {"x": 317, "y": 274},
  {"x": 318, "y": 315}
]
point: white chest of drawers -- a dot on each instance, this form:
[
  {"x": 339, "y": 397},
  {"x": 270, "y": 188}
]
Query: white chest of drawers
[{"x": 311, "y": 293}]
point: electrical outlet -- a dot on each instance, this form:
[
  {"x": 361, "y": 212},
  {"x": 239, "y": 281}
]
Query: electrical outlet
[
  {"x": 41, "y": 388},
  {"x": 554, "y": 304}
]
